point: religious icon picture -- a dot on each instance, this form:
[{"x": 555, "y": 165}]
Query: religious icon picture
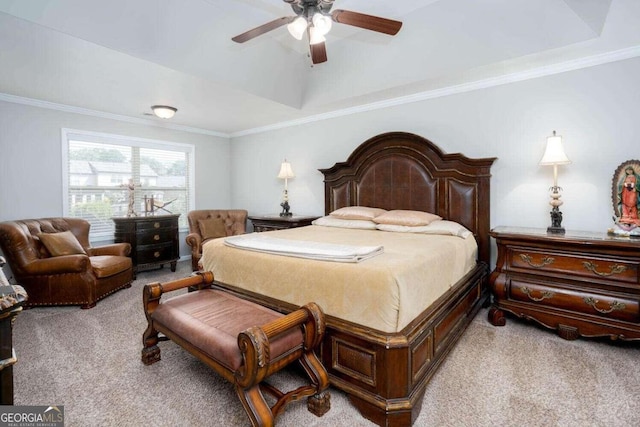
[{"x": 625, "y": 195}]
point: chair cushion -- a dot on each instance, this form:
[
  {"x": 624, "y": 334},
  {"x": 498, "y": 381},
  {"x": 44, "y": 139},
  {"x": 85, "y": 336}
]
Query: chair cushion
[
  {"x": 211, "y": 320},
  {"x": 108, "y": 265},
  {"x": 212, "y": 228},
  {"x": 63, "y": 243}
]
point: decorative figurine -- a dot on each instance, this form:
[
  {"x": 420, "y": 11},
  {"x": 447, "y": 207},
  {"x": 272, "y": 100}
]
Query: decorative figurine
[
  {"x": 132, "y": 199},
  {"x": 626, "y": 199}
]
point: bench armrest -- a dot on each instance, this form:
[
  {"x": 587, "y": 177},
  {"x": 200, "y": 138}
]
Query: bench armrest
[
  {"x": 152, "y": 292},
  {"x": 254, "y": 343}
]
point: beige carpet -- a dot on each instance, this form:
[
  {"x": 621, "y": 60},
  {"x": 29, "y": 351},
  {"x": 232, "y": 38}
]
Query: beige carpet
[{"x": 517, "y": 375}]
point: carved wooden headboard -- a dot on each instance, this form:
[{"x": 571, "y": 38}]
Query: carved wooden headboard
[{"x": 399, "y": 170}]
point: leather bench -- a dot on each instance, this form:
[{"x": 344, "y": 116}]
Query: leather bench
[{"x": 240, "y": 340}]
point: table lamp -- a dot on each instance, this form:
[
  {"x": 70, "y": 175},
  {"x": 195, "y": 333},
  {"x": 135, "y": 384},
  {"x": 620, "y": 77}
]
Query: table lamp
[
  {"x": 285, "y": 173},
  {"x": 553, "y": 156}
]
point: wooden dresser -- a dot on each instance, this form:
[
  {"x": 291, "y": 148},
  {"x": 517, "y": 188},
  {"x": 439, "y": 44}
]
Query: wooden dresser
[
  {"x": 153, "y": 239},
  {"x": 277, "y": 222},
  {"x": 580, "y": 283}
]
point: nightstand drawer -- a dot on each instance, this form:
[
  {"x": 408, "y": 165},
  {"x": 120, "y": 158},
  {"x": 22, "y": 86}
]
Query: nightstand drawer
[
  {"x": 606, "y": 306},
  {"x": 588, "y": 267}
]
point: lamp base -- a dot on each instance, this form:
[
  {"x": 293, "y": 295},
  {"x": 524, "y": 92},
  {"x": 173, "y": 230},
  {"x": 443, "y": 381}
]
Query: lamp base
[
  {"x": 555, "y": 230},
  {"x": 285, "y": 209},
  {"x": 556, "y": 221}
]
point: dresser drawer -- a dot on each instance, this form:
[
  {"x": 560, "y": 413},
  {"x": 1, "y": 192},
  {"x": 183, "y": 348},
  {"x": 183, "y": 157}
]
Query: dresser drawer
[
  {"x": 574, "y": 265},
  {"x": 607, "y": 306},
  {"x": 155, "y": 224},
  {"x": 152, "y": 237},
  {"x": 155, "y": 253}
]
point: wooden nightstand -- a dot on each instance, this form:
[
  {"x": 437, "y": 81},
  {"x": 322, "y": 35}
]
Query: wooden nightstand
[
  {"x": 277, "y": 222},
  {"x": 580, "y": 283},
  {"x": 153, "y": 239}
]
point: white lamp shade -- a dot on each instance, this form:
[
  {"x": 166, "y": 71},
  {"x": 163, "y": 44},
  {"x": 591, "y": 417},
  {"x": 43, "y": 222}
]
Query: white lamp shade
[
  {"x": 554, "y": 153},
  {"x": 285, "y": 171},
  {"x": 315, "y": 36},
  {"x": 164, "y": 111},
  {"x": 322, "y": 23},
  {"x": 297, "y": 26}
]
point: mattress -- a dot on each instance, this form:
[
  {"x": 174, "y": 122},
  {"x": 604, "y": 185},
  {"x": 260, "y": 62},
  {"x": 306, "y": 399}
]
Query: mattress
[{"x": 384, "y": 293}]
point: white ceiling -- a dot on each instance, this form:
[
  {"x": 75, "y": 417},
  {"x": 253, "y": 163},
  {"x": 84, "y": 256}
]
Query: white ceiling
[{"x": 122, "y": 56}]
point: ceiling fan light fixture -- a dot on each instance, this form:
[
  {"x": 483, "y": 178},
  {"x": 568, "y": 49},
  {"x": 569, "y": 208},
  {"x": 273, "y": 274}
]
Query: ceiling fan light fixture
[
  {"x": 315, "y": 36},
  {"x": 163, "y": 111},
  {"x": 297, "y": 27},
  {"x": 322, "y": 23}
]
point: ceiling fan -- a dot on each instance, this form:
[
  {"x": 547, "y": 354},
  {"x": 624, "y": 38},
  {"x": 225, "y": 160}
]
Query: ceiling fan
[{"x": 314, "y": 18}]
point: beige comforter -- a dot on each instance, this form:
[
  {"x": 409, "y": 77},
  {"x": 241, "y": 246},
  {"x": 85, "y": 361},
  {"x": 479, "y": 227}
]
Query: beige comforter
[{"x": 385, "y": 292}]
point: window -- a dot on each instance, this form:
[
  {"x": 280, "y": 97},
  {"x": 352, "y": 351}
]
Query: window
[{"x": 98, "y": 170}]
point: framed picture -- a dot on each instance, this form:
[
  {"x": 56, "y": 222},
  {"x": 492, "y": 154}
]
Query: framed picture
[{"x": 625, "y": 196}]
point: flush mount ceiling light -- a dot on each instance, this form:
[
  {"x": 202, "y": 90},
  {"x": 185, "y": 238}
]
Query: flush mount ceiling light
[{"x": 164, "y": 111}]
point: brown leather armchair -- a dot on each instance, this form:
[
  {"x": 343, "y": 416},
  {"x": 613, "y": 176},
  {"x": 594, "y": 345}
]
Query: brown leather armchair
[
  {"x": 81, "y": 278},
  {"x": 213, "y": 223}
]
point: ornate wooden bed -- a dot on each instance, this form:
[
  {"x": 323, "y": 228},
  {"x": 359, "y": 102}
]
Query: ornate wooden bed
[{"x": 385, "y": 374}]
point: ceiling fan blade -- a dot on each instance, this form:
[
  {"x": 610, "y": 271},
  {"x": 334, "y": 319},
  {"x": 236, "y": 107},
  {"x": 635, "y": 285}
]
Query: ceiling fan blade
[
  {"x": 368, "y": 22},
  {"x": 264, "y": 28},
  {"x": 318, "y": 53}
]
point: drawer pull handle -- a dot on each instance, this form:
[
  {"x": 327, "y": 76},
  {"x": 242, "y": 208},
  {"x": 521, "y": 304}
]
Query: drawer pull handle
[
  {"x": 545, "y": 261},
  {"x": 156, "y": 237},
  {"x": 156, "y": 254},
  {"x": 156, "y": 225},
  {"x": 615, "y": 269},
  {"x": 615, "y": 305},
  {"x": 545, "y": 294}
]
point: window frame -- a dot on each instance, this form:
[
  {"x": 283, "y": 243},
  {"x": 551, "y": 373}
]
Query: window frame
[{"x": 127, "y": 141}]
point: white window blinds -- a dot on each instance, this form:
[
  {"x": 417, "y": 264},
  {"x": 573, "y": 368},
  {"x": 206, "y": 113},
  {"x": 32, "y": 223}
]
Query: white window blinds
[{"x": 100, "y": 170}]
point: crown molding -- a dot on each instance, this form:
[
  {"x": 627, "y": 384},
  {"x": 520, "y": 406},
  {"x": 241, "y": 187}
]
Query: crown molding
[
  {"x": 88, "y": 112},
  {"x": 534, "y": 73}
]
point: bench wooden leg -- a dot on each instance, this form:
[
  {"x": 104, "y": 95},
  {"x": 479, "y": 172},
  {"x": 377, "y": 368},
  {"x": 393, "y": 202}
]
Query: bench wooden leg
[
  {"x": 150, "y": 349},
  {"x": 255, "y": 406},
  {"x": 320, "y": 403}
]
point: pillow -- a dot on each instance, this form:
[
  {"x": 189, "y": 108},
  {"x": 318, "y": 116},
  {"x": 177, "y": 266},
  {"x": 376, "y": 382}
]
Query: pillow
[
  {"x": 212, "y": 228},
  {"x": 63, "y": 243},
  {"x": 402, "y": 228},
  {"x": 443, "y": 227},
  {"x": 357, "y": 212},
  {"x": 329, "y": 221},
  {"x": 408, "y": 218}
]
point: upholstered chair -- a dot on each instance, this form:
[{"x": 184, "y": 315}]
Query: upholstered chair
[
  {"x": 211, "y": 224},
  {"x": 52, "y": 259}
]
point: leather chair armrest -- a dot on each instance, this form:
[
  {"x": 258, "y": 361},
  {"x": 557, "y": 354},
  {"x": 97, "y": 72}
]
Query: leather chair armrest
[
  {"x": 115, "y": 249},
  {"x": 58, "y": 265},
  {"x": 194, "y": 240}
]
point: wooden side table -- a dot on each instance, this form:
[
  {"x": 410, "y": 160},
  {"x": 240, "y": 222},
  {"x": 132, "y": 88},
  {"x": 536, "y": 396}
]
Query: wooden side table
[
  {"x": 153, "y": 239},
  {"x": 277, "y": 222},
  {"x": 580, "y": 283}
]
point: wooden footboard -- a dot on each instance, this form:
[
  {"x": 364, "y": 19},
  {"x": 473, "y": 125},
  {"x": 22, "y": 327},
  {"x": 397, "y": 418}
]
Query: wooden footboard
[{"x": 385, "y": 375}]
